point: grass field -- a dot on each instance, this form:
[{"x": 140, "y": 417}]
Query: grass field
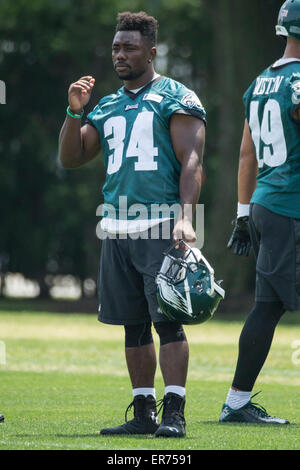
[{"x": 65, "y": 378}]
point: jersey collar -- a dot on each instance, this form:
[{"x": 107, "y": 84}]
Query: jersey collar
[
  {"x": 282, "y": 62},
  {"x": 148, "y": 85}
]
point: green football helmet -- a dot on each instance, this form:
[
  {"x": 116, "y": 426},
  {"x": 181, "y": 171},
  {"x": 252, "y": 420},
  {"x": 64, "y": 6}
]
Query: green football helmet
[
  {"x": 288, "y": 23},
  {"x": 186, "y": 289}
]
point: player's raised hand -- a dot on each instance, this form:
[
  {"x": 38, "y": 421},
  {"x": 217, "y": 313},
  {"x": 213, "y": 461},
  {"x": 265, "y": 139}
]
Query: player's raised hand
[{"x": 80, "y": 92}]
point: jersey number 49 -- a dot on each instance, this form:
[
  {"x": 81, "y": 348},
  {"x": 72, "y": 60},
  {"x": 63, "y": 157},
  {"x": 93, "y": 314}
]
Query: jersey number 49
[{"x": 268, "y": 137}]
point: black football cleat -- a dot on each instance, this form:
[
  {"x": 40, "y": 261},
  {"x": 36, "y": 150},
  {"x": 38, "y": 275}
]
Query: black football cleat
[
  {"x": 249, "y": 413},
  {"x": 173, "y": 422},
  {"x": 1, "y": 419},
  {"x": 145, "y": 419}
]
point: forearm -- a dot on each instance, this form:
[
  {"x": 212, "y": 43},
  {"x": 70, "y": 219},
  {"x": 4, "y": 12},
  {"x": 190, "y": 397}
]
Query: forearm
[
  {"x": 70, "y": 143},
  {"x": 190, "y": 186},
  {"x": 247, "y": 167},
  {"x": 76, "y": 144},
  {"x": 246, "y": 179}
]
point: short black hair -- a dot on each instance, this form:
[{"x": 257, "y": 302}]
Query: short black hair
[{"x": 147, "y": 25}]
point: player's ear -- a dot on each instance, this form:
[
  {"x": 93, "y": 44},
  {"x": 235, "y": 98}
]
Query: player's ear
[{"x": 153, "y": 53}]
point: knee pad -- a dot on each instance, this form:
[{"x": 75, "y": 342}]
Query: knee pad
[
  {"x": 169, "y": 332},
  {"x": 138, "y": 335}
]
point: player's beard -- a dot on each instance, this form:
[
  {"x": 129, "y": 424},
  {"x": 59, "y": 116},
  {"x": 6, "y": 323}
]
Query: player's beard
[{"x": 130, "y": 74}]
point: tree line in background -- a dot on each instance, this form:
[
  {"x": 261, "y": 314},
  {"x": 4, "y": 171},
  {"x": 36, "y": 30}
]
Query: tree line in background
[{"x": 48, "y": 214}]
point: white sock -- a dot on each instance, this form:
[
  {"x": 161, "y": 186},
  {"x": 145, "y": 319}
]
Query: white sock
[
  {"x": 236, "y": 399},
  {"x": 144, "y": 391},
  {"x": 175, "y": 389}
]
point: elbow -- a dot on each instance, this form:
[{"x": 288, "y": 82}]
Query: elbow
[
  {"x": 68, "y": 162},
  {"x": 63, "y": 160}
]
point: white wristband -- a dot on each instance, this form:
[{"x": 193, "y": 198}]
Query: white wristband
[{"x": 243, "y": 210}]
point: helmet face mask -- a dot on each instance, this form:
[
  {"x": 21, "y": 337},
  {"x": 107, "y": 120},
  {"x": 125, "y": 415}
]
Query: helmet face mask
[
  {"x": 174, "y": 267},
  {"x": 288, "y": 24},
  {"x": 186, "y": 289}
]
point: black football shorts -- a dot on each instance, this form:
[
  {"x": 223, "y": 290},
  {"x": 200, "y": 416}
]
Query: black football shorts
[
  {"x": 276, "y": 244},
  {"x": 126, "y": 282}
]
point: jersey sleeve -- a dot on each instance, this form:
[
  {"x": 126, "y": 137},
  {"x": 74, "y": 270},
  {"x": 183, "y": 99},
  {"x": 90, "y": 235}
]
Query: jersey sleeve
[
  {"x": 247, "y": 99},
  {"x": 184, "y": 101},
  {"x": 94, "y": 116}
]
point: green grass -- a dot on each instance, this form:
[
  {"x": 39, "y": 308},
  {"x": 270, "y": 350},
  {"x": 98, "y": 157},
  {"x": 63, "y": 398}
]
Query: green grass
[{"x": 65, "y": 378}]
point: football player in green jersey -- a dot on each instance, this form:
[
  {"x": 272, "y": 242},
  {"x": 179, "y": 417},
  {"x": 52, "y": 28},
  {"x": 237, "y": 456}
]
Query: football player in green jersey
[
  {"x": 268, "y": 214},
  {"x": 151, "y": 134}
]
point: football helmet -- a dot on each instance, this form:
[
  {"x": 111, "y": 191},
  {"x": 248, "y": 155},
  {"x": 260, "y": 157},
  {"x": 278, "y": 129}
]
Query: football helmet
[
  {"x": 186, "y": 289},
  {"x": 288, "y": 23}
]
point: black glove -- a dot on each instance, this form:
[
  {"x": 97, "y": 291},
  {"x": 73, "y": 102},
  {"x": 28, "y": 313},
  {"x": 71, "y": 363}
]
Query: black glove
[{"x": 240, "y": 238}]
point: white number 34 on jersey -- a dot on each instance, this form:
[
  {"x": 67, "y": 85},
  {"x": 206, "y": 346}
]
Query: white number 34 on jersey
[{"x": 141, "y": 142}]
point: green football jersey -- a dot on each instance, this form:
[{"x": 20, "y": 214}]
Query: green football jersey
[
  {"x": 136, "y": 145},
  {"x": 270, "y": 103}
]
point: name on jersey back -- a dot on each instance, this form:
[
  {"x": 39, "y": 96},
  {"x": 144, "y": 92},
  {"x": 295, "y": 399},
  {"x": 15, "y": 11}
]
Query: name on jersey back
[{"x": 267, "y": 85}]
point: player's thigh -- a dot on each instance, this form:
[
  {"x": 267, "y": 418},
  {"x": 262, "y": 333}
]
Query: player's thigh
[
  {"x": 276, "y": 241},
  {"x": 276, "y": 264},
  {"x": 120, "y": 286},
  {"x": 148, "y": 257}
]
